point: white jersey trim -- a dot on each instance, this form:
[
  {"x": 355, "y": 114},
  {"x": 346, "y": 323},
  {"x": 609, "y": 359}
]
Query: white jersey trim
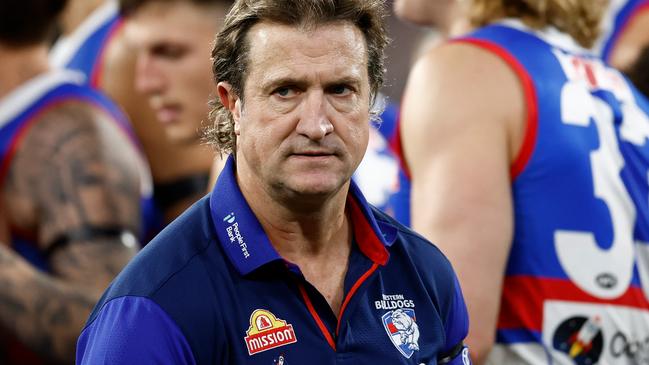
[
  {"x": 65, "y": 48},
  {"x": 25, "y": 95}
]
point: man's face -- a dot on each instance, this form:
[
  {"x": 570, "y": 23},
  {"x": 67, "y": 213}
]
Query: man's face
[
  {"x": 303, "y": 125},
  {"x": 173, "y": 42}
]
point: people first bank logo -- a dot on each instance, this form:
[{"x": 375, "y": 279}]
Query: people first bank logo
[
  {"x": 267, "y": 332},
  {"x": 234, "y": 233}
]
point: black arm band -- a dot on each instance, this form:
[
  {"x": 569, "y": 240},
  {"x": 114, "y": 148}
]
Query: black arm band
[
  {"x": 451, "y": 354},
  {"x": 86, "y": 233}
]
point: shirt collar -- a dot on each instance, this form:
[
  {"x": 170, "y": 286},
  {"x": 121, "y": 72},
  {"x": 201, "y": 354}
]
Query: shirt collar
[{"x": 247, "y": 245}]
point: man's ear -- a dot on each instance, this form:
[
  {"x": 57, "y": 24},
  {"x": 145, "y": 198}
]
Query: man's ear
[{"x": 230, "y": 101}]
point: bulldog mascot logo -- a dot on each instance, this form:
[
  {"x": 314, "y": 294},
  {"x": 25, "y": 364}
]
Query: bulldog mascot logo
[{"x": 401, "y": 326}]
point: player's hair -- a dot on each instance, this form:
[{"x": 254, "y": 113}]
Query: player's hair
[
  {"x": 578, "y": 18},
  {"x": 230, "y": 54},
  {"x": 128, "y": 7},
  {"x": 28, "y": 22}
]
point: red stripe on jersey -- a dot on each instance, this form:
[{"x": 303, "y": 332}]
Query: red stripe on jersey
[
  {"x": 531, "y": 123},
  {"x": 523, "y": 298}
]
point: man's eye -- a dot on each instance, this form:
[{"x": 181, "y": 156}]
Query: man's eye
[
  {"x": 340, "y": 90},
  {"x": 285, "y": 91},
  {"x": 169, "y": 51}
]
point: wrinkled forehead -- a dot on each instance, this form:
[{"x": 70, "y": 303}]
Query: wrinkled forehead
[{"x": 327, "y": 50}]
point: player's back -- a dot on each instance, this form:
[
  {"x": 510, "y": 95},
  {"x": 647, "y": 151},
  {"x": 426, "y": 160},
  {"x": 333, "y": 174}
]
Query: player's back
[{"x": 573, "y": 287}]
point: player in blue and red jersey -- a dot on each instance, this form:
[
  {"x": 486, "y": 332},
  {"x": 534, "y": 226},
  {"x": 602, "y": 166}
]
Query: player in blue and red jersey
[
  {"x": 70, "y": 183},
  {"x": 285, "y": 262},
  {"x": 530, "y": 169},
  {"x": 97, "y": 45}
]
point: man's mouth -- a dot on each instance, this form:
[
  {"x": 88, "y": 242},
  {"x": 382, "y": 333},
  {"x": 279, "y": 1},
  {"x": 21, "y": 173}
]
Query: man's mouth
[{"x": 168, "y": 113}]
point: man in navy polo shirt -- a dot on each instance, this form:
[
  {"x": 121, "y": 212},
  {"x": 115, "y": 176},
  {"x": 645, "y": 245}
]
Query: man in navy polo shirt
[{"x": 285, "y": 262}]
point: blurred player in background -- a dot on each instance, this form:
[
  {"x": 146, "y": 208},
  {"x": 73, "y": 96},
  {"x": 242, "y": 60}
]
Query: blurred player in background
[
  {"x": 70, "y": 186},
  {"x": 529, "y": 160},
  {"x": 624, "y": 32},
  {"x": 173, "y": 68},
  {"x": 96, "y": 44},
  {"x": 624, "y": 41}
]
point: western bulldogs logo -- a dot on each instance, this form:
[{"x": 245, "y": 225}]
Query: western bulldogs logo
[{"x": 401, "y": 326}]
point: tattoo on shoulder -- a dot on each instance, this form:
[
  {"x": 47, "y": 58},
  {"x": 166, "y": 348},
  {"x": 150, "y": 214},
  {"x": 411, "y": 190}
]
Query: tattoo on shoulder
[{"x": 79, "y": 169}]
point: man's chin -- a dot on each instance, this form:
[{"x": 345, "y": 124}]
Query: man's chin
[{"x": 317, "y": 188}]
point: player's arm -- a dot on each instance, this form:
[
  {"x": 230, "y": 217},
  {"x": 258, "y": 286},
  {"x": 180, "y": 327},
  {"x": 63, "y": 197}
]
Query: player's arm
[
  {"x": 459, "y": 107},
  {"x": 78, "y": 173},
  {"x": 632, "y": 40}
]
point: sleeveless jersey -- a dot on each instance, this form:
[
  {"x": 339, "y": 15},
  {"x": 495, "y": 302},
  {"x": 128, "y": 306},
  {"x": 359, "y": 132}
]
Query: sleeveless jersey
[
  {"x": 83, "y": 51},
  {"x": 577, "y": 278},
  {"x": 20, "y": 110},
  {"x": 619, "y": 15}
]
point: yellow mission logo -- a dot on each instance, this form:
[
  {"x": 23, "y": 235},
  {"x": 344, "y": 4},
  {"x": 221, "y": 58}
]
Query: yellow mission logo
[{"x": 267, "y": 332}]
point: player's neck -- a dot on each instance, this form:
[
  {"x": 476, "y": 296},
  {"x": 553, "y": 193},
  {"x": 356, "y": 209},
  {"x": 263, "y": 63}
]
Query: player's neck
[
  {"x": 20, "y": 65},
  {"x": 452, "y": 21}
]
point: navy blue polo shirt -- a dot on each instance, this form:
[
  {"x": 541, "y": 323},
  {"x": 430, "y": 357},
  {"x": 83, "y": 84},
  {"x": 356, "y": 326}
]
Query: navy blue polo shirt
[{"x": 211, "y": 289}]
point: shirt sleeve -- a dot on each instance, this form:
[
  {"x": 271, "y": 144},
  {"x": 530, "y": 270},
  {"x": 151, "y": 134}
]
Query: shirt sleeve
[
  {"x": 457, "y": 328},
  {"x": 133, "y": 330}
]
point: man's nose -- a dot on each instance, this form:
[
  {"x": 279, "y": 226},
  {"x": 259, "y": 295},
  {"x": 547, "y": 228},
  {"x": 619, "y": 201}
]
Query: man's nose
[
  {"x": 314, "y": 121},
  {"x": 148, "y": 78}
]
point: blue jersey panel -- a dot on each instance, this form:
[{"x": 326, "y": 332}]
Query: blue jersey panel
[{"x": 86, "y": 59}]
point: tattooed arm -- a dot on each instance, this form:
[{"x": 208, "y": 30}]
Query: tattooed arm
[{"x": 74, "y": 181}]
